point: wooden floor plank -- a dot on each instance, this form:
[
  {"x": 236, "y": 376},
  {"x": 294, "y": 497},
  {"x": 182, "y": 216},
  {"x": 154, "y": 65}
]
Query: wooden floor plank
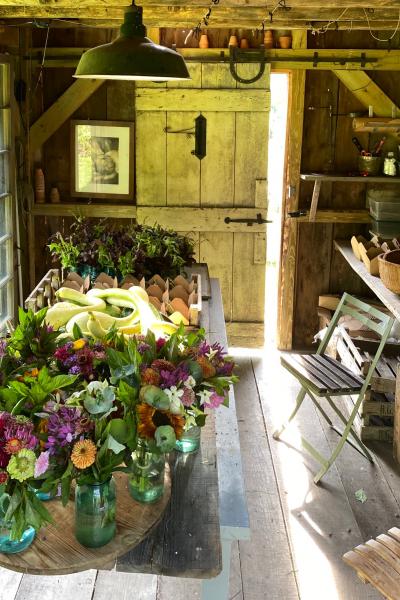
[
  {"x": 9, "y": 584},
  {"x": 178, "y": 589},
  {"x": 381, "y": 510},
  {"x": 267, "y": 568},
  {"x": 320, "y": 522},
  {"x": 78, "y": 586},
  {"x": 111, "y": 585}
]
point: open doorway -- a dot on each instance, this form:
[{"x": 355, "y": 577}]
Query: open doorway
[{"x": 279, "y": 83}]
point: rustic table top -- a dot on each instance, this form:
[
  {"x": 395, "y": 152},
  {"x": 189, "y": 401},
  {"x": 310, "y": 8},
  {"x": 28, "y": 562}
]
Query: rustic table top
[{"x": 55, "y": 550}]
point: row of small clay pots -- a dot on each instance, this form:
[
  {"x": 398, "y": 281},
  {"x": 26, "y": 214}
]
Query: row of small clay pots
[{"x": 285, "y": 41}]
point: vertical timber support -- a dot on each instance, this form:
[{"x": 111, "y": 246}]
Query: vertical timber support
[{"x": 287, "y": 275}]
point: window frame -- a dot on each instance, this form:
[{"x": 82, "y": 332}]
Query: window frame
[{"x": 8, "y": 196}]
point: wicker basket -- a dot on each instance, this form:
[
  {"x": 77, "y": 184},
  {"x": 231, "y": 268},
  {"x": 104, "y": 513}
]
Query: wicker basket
[{"x": 389, "y": 270}]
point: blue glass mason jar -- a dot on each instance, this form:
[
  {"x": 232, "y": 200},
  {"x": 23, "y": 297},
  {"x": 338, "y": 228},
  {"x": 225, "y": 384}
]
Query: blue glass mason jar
[
  {"x": 95, "y": 508},
  {"x": 9, "y": 546}
]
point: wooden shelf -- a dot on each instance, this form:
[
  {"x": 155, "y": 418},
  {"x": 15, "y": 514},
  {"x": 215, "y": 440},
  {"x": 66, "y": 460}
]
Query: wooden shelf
[
  {"x": 337, "y": 216},
  {"x": 389, "y": 299},
  {"x": 348, "y": 178},
  {"x": 377, "y": 125},
  {"x": 318, "y": 178},
  {"x": 64, "y": 209}
]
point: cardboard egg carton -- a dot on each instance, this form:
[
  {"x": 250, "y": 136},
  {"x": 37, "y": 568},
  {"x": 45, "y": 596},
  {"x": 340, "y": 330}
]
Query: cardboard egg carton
[
  {"x": 178, "y": 299},
  {"x": 368, "y": 250}
]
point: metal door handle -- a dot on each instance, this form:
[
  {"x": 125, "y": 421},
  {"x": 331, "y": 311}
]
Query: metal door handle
[{"x": 258, "y": 220}]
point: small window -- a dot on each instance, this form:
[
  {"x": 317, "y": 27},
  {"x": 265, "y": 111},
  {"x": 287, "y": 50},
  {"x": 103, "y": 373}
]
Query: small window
[{"x": 6, "y": 202}]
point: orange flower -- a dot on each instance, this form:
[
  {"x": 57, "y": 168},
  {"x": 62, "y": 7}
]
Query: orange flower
[
  {"x": 31, "y": 373},
  {"x": 79, "y": 344},
  {"x": 42, "y": 429},
  {"x": 150, "y": 377},
  {"x": 207, "y": 368},
  {"x": 13, "y": 446},
  {"x": 83, "y": 454},
  {"x": 150, "y": 418}
]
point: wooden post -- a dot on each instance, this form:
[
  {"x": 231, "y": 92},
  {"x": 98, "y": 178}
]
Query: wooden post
[{"x": 287, "y": 275}]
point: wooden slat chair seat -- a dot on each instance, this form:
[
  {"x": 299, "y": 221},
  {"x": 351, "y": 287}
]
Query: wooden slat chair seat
[
  {"x": 378, "y": 562},
  {"x": 321, "y": 376}
]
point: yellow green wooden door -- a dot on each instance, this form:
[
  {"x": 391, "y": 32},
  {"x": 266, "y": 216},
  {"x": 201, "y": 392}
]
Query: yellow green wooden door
[{"x": 177, "y": 190}]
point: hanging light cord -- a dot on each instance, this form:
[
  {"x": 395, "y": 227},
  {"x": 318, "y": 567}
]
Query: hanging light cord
[
  {"x": 40, "y": 76},
  {"x": 202, "y": 23},
  {"x": 376, "y": 37},
  {"x": 324, "y": 28}
]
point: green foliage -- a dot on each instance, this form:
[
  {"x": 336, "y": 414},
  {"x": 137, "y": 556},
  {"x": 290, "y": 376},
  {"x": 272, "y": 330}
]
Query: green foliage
[{"x": 32, "y": 339}]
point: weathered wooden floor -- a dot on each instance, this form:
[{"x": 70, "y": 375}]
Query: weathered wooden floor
[{"x": 299, "y": 530}]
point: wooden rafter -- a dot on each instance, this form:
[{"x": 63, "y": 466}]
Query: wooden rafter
[
  {"x": 306, "y": 4},
  {"x": 367, "y": 92},
  {"x": 61, "y": 110}
]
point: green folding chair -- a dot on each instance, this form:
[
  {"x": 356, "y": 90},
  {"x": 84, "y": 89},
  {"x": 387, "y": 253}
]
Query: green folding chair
[{"x": 321, "y": 376}]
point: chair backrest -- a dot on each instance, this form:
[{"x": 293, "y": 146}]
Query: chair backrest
[{"x": 376, "y": 320}]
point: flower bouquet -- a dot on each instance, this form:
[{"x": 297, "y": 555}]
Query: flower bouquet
[{"x": 74, "y": 410}]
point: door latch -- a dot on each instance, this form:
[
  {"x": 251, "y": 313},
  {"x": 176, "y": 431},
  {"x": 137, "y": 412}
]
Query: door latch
[{"x": 258, "y": 220}]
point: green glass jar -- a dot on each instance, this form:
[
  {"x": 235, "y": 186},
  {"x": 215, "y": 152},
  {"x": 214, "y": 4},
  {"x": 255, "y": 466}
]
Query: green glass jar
[
  {"x": 95, "y": 506},
  {"x": 146, "y": 482},
  {"x": 189, "y": 441}
]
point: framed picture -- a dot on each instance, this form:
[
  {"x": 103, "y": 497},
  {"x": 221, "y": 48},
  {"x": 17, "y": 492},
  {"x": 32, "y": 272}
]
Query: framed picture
[{"x": 102, "y": 159}]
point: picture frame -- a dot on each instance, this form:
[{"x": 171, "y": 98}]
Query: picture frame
[{"x": 102, "y": 159}]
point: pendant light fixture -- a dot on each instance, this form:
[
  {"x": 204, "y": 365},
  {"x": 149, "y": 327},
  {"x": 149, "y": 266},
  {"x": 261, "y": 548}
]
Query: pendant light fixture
[{"x": 132, "y": 56}]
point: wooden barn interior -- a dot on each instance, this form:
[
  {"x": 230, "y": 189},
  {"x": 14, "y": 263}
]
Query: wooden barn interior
[{"x": 277, "y": 209}]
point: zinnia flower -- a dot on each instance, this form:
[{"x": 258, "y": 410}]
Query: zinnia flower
[
  {"x": 22, "y": 465},
  {"x": 13, "y": 446},
  {"x": 42, "y": 464},
  {"x": 83, "y": 454},
  {"x": 3, "y": 477},
  {"x": 150, "y": 418},
  {"x": 20, "y": 428}
]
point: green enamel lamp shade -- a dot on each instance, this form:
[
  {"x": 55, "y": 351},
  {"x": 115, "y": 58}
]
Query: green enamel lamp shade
[{"x": 132, "y": 56}]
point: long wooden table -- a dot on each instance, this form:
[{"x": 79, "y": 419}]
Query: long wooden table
[
  {"x": 208, "y": 504},
  {"x": 392, "y": 302}
]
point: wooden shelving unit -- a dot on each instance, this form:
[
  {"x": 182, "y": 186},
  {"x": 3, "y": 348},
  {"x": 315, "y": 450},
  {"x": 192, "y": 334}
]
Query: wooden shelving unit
[{"x": 318, "y": 178}]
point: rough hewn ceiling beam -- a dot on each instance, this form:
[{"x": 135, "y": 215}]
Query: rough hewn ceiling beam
[
  {"x": 249, "y": 17},
  {"x": 367, "y": 92},
  {"x": 305, "y": 4}
]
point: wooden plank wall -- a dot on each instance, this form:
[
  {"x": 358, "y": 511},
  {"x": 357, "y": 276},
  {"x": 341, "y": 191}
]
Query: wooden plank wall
[{"x": 327, "y": 147}]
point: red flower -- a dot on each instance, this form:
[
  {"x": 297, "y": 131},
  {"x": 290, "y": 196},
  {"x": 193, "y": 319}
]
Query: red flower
[
  {"x": 4, "y": 459},
  {"x": 3, "y": 477}
]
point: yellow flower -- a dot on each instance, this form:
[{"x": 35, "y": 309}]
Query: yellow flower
[
  {"x": 83, "y": 454},
  {"x": 79, "y": 344}
]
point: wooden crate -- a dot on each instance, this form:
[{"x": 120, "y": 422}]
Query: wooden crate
[{"x": 374, "y": 420}]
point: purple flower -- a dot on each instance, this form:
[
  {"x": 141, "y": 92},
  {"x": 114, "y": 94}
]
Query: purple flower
[
  {"x": 225, "y": 368},
  {"x": 214, "y": 401},
  {"x": 3, "y": 347},
  {"x": 42, "y": 464},
  {"x": 64, "y": 426},
  {"x": 143, "y": 347},
  {"x": 175, "y": 377},
  {"x": 20, "y": 428}
]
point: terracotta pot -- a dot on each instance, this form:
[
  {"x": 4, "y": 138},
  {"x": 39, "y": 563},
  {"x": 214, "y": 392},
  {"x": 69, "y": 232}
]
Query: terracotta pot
[
  {"x": 40, "y": 197},
  {"x": 268, "y": 39},
  {"x": 233, "y": 41},
  {"x": 285, "y": 41},
  {"x": 203, "y": 42},
  {"x": 54, "y": 195},
  {"x": 244, "y": 43}
]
